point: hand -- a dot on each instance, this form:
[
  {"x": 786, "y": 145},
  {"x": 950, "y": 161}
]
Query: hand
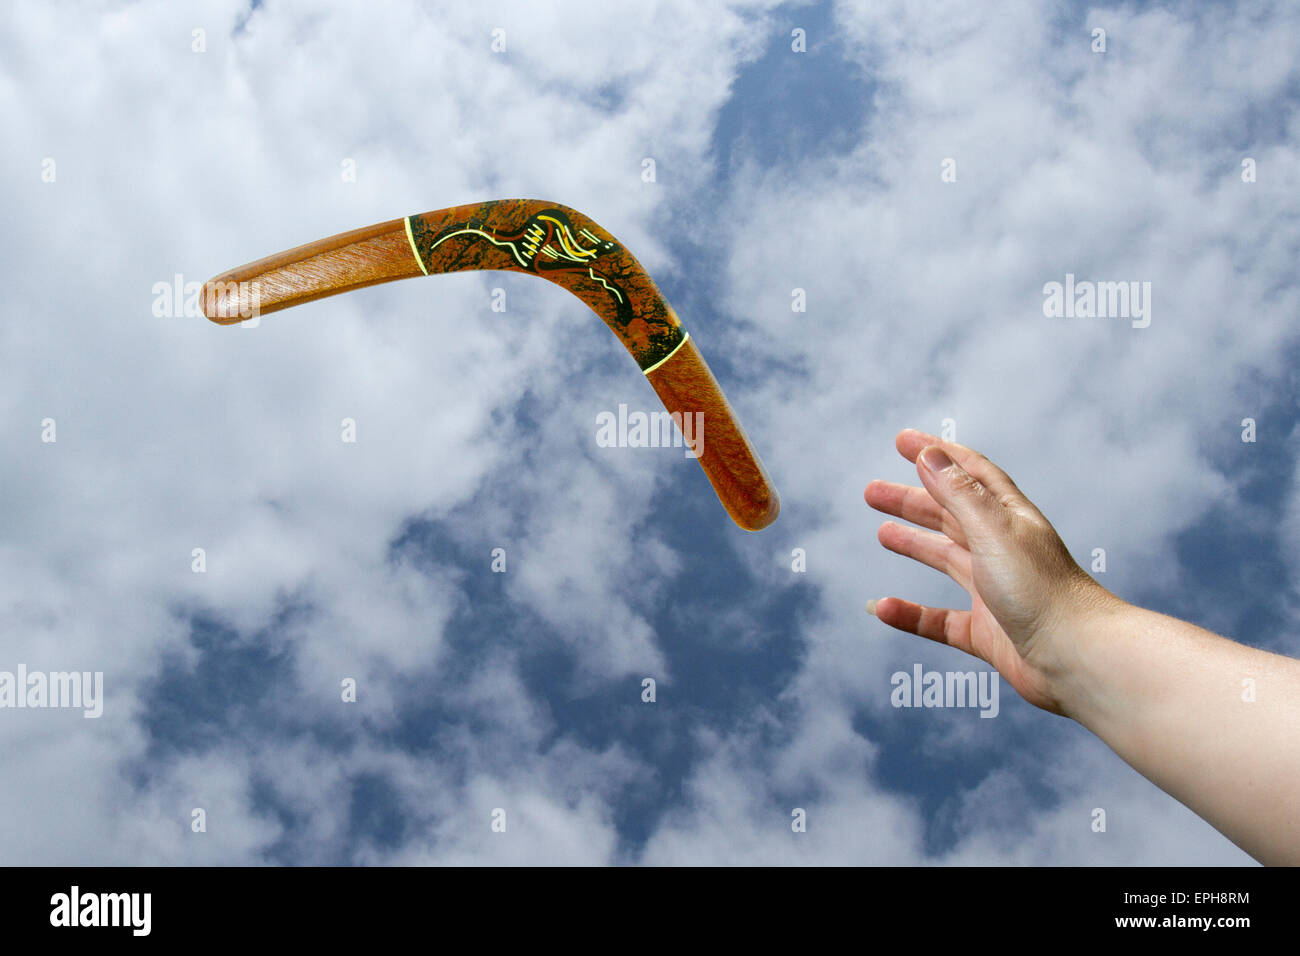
[
  {"x": 1167, "y": 696},
  {"x": 1029, "y": 598}
]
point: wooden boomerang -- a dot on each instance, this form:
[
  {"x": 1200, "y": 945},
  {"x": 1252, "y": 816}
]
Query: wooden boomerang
[{"x": 545, "y": 239}]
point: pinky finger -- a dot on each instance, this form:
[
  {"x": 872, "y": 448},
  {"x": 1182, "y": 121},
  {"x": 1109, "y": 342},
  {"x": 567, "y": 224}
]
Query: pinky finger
[{"x": 945, "y": 625}]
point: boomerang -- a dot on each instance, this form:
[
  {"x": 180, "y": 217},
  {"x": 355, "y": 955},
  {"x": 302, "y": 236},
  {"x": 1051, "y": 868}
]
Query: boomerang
[{"x": 542, "y": 239}]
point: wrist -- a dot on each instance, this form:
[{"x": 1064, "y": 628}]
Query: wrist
[{"x": 1083, "y": 642}]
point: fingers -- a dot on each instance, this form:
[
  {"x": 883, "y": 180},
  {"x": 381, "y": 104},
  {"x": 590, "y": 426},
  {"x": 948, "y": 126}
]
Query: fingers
[
  {"x": 945, "y": 625},
  {"x": 935, "y": 550},
  {"x": 911, "y": 443},
  {"x": 915, "y": 505},
  {"x": 976, "y": 492},
  {"x": 905, "y": 501}
]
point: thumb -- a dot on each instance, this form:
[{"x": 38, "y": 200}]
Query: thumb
[{"x": 964, "y": 496}]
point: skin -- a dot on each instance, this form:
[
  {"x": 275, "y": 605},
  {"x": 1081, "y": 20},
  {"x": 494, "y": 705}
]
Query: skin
[{"x": 1165, "y": 695}]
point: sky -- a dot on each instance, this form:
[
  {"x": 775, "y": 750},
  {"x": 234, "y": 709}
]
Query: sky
[{"x": 920, "y": 171}]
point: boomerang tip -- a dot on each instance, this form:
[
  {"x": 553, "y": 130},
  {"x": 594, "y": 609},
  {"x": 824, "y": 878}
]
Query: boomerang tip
[
  {"x": 227, "y": 300},
  {"x": 758, "y": 514}
]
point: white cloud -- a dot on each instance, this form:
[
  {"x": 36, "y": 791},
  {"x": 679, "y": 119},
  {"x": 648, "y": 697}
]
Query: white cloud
[{"x": 924, "y": 303}]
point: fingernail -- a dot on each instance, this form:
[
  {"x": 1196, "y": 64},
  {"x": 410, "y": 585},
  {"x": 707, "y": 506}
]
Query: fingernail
[
  {"x": 871, "y": 606},
  {"x": 935, "y": 459}
]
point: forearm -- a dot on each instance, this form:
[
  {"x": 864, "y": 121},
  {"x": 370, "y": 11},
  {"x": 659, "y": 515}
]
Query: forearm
[{"x": 1214, "y": 723}]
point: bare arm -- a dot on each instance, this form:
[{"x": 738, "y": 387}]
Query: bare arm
[{"x": 1212, "y": 722}]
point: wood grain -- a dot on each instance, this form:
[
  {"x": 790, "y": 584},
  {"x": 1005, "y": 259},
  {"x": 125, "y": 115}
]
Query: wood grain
[
  {"x": 686, "y": 385},
  {"x": 350, "y": 260},
  {"x": 550, "y": 241}
]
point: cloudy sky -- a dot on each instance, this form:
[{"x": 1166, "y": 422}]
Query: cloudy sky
[{"x": 920, "y": 171}]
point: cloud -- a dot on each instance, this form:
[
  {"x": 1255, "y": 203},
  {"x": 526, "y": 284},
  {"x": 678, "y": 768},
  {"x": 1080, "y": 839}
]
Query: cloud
[
  {"x": 925, "y": 304},
  {"x": 328, "y": 560}
]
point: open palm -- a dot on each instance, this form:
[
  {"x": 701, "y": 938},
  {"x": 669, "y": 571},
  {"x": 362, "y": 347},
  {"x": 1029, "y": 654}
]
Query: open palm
[{"x": 996, "y": 545}]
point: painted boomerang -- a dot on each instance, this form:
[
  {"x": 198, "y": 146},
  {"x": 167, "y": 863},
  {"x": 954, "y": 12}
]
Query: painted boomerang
[{"x": 547, "y": 240}]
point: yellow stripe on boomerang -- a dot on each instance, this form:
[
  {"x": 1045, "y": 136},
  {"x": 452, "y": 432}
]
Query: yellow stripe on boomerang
[
  {"x": 415, "y": 252},
  {"x": 685, "y": 336}
]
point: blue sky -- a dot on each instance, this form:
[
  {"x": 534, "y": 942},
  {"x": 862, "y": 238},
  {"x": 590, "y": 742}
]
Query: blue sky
[{"x": 775, "y": 170}]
